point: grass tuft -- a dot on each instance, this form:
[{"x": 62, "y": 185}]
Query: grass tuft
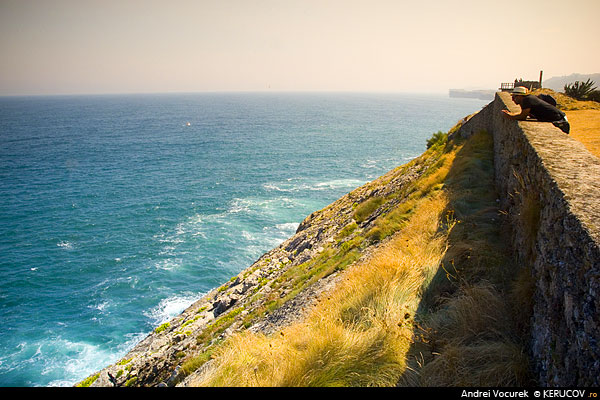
[{"x": 434, "y": 304}]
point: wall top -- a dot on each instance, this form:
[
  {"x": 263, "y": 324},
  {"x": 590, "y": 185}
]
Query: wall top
[{"x": 570, "y": 165}]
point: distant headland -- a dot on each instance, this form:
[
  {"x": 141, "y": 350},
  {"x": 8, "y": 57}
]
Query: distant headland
[{"x": 475, "y": 94}]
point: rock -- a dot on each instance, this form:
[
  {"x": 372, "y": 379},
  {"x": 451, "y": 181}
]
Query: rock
[
  {"x": 223, "y": 304},
  {"x": 173, "y": 378}
]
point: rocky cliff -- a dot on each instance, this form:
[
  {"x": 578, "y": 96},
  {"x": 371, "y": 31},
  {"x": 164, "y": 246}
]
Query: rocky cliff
[
  {"x": 272, "y": 292},
  {"x": 548, "y": 194}
]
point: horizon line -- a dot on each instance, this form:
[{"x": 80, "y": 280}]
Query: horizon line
[{"x": 430, "y": 92}]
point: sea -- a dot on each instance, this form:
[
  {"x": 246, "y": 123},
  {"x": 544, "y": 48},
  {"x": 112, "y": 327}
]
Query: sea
[{"x": 119, "y": 211}]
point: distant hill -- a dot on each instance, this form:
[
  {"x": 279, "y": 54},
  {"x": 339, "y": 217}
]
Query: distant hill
[
  {"x": 476, "y": 94},
  {"x": 558, "y": 83}
]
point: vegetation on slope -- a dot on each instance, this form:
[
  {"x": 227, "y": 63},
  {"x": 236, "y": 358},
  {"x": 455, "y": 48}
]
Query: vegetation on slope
[
  {"x": 568, "y": 103},
  {"x": 475, "y": 314},
  {"x": 429, "y": 293},
  {"x": 583, "y": 90},
  {"x": 439, "y": 302}
]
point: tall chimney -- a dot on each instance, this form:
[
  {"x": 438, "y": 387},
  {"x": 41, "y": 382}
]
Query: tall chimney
[{"x": 541, "y": 73}]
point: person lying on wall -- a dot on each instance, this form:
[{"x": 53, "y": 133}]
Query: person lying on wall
[{"x": 536, "y": 108}]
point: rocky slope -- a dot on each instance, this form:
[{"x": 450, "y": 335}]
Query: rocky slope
[
  {"x": 546, "y": 295},
  {"x": 277, "y": 289}
]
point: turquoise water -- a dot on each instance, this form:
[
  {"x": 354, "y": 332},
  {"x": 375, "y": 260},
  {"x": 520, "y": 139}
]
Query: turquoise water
[{"x": 117, "y": 212}]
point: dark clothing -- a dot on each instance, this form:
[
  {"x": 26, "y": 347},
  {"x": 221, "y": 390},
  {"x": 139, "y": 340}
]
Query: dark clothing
[
  {"x": 541, "y": 110},
  {"x": 547, "y": 98},
  {"x": 563, "y": 125},
  {"x": 546, "y": 112}
]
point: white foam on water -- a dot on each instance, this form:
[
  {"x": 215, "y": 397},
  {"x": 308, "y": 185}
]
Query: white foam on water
[
  {"x": 171, "y": 307},
  {"x": 100, "y": 306},
  {"x": 239, "y": 205},
  {"x": 57, "y": 361},
  {"x": 76, "y": 360},
  {"x": 288, "y": 227},
  {"x": 338, "y": 183},
  {"x": 272, "y": 186},
  {"x": 65, "y": 245},
  {"x": 169, "y": 264},
  {"x": 318, "y": 186},
  {"x": 248, "y": 236}
]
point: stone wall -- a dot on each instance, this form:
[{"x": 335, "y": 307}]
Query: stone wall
[{"x": 550, "y": 189}]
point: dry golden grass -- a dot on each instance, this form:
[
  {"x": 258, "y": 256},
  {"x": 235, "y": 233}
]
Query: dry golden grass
[
  {"x": 585, "y": 127},
  {"x": 360, "y": 334},
  {"x": 584, "y": 117},
  {"x": 476, "y": 339},
  {"x": 476, "y": 365},
  {"x": 399, "y": 306},
  {"x": 567, "y": 103},
  {"x": 474, "y": 318}
]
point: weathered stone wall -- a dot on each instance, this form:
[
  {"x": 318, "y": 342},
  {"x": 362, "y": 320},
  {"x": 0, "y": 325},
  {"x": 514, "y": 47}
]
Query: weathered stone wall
[{"x": 550, "y": 189}]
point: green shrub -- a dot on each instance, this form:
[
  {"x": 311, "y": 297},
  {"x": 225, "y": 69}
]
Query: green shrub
[
  {"x": 88, "y": 381},
  {"x": 438, "y": 139},
  {"x": 580, "y": 90},
  {"x": 594, "y": 95},
  {"x": 163, "y": 327}
]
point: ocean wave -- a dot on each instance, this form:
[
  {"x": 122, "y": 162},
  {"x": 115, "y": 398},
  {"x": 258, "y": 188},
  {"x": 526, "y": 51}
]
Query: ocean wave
[
  {"x": 171, "y": 307},
  {"x": 339, "y": 183},
  {"x": 288, "y": 227},
  {"x": 288, "y": 187},
  {"x": 248, "y": 236},
  {"x": 56, "y": 361},
  {"x": 101, "y": 306},
  {"x": 111, "y": 283},
  {"x": 191, "y": 229},
  {"x": 272, "y": 186},
  {"x": 65, "y": 245},
  {"x": 75, "y": 360},
  {"x": 260, "y": 206},
  {"x": 369, "y": 164},
  {"x": 256, "y": 242},
  {"x": 168, "y": 264}
]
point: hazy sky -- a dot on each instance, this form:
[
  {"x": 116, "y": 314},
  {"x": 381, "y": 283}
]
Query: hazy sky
[{"x": 131, "y": 46}]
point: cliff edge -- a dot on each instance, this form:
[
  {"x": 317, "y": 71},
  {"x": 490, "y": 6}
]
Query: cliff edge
[{"x": 476, "y": 264}]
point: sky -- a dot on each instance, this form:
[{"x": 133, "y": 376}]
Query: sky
[{"x": 150, "y": 46}]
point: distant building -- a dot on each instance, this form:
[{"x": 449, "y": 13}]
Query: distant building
[{"x": 531, "y": 85}]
